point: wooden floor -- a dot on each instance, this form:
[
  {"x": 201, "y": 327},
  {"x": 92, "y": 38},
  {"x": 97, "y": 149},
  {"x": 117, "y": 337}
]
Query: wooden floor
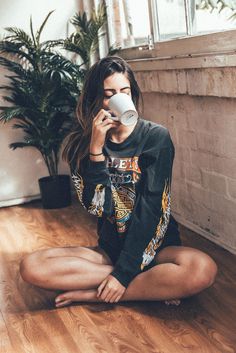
[{"x": 29, "y": 323}]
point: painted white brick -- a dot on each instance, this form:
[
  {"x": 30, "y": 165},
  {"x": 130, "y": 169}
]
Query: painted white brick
[
  {"x": 179, "y": 170},
  {"x": 204, "y": 175},
  {"x": 225, "y": 207},
  {"x": 211, "y": 143},
  {"x": 229, "y": 147},
  {"x": 231, "y": 187},
  {"x": 220, "y": 165},
  {"x": 218, "y": 82},
  {"x": 214, "y": 182},
  {"x": 187, "y": 138},
  {"x": 212, "y": 82},
  {"x": 182, "y": 153},
  {"x": 193, "y": 174},
  {"x": 199, "y": 195}
]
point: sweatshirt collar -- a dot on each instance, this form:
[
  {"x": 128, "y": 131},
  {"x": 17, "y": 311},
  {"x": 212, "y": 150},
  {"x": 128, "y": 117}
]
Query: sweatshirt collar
[{"x": 119, "y": 146}]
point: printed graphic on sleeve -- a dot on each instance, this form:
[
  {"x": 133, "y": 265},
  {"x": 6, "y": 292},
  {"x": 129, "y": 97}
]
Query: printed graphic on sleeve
[
  {"x": 79, "y": 187},
  {"x": 98, "y": 200},
  {"x": 96, "y": 207},
  {"x": 156, "y": 241}
]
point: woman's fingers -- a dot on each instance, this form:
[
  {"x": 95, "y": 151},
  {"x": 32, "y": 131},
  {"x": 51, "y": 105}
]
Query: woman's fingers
[
  {"x": 118, "y": 298},
  {"x": 103, "y": 118},
  {"x": 110, "y": 295},
  {"x": 100, "y": 116},
  {"x": 115, "y": 298},
  {"x": 110, "y": 290},
  {"x": 105, "y": 293},
  {"x": 101, "y": 287},
  {"x": 101, "y": 124}
]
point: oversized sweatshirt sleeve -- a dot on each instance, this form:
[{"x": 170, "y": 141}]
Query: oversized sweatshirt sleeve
[
  {"x": 151, "y": 213},
  {"x": 93, "y": 187}
]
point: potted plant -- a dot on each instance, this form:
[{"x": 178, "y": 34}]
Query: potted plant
[{"x": 43, "y": 90}]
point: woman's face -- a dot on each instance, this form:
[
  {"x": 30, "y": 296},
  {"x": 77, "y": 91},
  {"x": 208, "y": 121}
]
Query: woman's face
[{"x": 116, "y": 83}]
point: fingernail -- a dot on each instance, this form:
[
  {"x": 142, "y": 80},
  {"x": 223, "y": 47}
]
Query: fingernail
[{"x": 59, "y": 303}]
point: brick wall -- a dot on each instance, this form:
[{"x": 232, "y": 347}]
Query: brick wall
[{"x": 202, "y": 123}]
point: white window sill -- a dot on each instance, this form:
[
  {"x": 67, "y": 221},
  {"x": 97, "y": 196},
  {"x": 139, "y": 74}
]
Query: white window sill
[{"x": 210, "y": 50}]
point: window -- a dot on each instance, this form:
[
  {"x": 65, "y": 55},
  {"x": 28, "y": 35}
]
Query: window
[
  {"x": 136, "y": 21},
  {"x": 179, "y": 18},
  {"x": 162, "y": 20},
  {"x": 128, "y": 22},
  {"x": 211, "y": 19},
  {"x": 171, "y": 19}
]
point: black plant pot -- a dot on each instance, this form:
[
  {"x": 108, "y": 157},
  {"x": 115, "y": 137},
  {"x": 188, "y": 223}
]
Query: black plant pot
[{"x": 55, "y": 191}]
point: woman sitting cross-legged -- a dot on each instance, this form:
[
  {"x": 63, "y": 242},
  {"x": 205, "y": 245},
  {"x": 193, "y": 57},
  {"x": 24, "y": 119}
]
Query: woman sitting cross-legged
[{"x": 122, "y": 174}]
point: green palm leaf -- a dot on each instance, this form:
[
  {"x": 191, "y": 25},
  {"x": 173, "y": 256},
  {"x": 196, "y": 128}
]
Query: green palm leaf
[
  {"x": 9, "y": 113},
  {"x": 50, "y": 44},
  {"x": 19, "y": 37},
  {"x": 38, "y": 34},
  {"x": 85, "y": 40},
  {"x": 44, "y": 85},
  {"x": 9, "y": 47},
  {"x": 13, "y": 67}
]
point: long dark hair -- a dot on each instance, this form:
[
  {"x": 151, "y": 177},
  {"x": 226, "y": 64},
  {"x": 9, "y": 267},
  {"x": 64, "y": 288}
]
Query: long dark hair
[{"x": 90, "y": 102}]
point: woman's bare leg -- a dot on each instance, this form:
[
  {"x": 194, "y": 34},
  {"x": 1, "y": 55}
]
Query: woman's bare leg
[
  {"x": 181, "y": 272},
  {"x": 66, "y": 268}
]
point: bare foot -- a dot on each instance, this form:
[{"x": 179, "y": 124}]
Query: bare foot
[
  {"x": 172, "y": 302},
  {"x": 89, "y": 295},
  {"x": 67, "y": 298}
]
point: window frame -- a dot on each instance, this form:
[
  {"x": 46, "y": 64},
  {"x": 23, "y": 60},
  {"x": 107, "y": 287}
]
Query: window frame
[{"x": 193, "y": 50}]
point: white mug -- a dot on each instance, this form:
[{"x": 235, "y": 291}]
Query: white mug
[{"x": 122, "y": 105}]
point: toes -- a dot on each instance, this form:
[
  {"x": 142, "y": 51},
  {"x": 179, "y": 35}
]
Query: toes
[
  {"x": 172, "y": 302},
  {"x": 63, "y": 303},
  {"x": 62, "y": 298},
  {"x": 66, "y": 298}
]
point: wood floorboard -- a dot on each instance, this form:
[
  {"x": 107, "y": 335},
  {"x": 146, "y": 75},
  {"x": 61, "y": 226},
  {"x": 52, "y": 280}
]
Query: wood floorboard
[
  {"x": 5, "y": 343},
  {"x": 29, "y": 322}
]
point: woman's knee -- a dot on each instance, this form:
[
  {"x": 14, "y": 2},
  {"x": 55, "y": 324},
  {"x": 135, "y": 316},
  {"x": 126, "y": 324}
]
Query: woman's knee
[
  {"x": 31, "y": 268},
  {"x": 202, "y": 273}
]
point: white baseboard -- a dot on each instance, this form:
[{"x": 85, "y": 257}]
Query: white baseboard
[
  {"x": 25, "y": 199},
  {"x": 18, "y": 201},
  {"x": 202, "y": 232}
]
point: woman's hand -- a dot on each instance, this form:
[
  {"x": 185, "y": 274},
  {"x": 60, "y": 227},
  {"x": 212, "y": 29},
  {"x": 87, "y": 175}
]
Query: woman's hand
[
  {"x": 110, "y": 290},
  {"x": 101, "y": 124}
]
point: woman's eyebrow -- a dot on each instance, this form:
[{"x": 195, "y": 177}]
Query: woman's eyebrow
[{"x": 113, "y": 90}]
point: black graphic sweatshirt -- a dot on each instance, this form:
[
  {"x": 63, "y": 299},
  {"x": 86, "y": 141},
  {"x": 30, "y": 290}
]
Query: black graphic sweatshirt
[{"x": 130, "y": 194}]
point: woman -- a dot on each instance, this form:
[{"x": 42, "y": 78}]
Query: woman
[{"x": 122, "y": 175}]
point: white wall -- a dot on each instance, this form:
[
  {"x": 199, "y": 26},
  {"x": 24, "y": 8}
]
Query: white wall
[
  {"x": 21, "y": 169},
  {"x": 17, "y": 13},
  {"x": 198, "y": 107}
]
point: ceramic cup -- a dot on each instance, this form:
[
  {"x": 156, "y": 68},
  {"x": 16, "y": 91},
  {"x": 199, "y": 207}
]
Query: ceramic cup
[{"x": 123, "y": 107}]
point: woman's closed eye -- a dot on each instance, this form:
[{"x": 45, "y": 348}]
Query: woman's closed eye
[
  {"x": 107, "y": 97},
  {"x": 126, "y": 91},
  {"x": 109, "y": 92}
]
